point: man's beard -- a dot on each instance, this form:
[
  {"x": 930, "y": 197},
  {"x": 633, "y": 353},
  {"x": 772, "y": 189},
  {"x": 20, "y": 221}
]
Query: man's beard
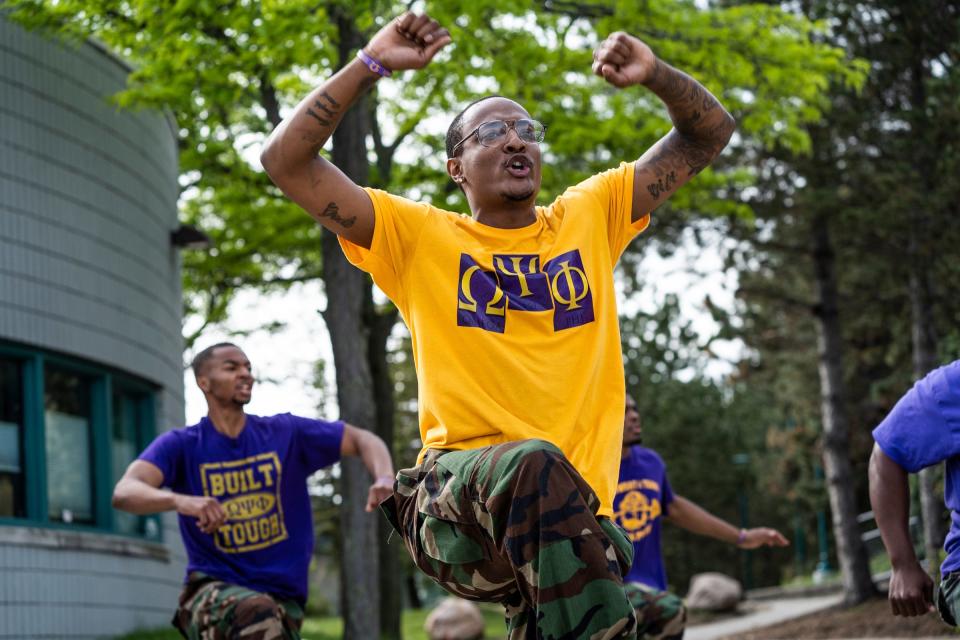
[
  {"x": 519, "y": 198},
  {"x": 633, "y": 441}
]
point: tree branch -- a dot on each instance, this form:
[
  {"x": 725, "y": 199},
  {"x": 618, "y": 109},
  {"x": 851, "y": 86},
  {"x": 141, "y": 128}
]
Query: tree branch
[
  {"x": 269, "y": 100},
  {"x": 411, "y": 123}
]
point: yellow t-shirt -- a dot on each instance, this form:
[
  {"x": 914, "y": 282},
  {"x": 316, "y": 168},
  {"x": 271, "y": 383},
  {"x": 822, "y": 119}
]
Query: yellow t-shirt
[{"x": 514, "y": 331}]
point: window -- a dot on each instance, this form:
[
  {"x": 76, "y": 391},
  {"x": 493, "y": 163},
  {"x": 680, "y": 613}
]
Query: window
[
  {"x": 68, "y": 431},
  {"x": 128, "y": 431},
  {"x": 68, "y": 446},
  {"x": 12, "y": 503}
]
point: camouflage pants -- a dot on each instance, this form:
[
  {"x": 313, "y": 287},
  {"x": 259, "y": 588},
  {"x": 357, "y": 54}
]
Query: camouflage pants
[
  {"x": 661, "y": 615},
  {"x": 516, "y": 524},
  {"x": 214, "y": 610},
  {"x": 947, "y": 598}
]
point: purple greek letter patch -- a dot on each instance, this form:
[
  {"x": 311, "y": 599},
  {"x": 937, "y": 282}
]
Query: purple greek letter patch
[
  {"x": 573, "y": 302},
  {"x": 523, "y": 282},
  {"x": 480, "y": 300}
]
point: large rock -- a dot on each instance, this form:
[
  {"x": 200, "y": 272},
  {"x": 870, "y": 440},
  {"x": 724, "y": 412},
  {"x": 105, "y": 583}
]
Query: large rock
[
  {"x": 455, "y": 619},
  {"x": 714, "y": 592}
]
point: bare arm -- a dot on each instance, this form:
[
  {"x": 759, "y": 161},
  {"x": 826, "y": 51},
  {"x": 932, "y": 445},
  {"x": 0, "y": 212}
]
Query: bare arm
[
  {"x": 375, "y": 457},
  {"x": 911, "y": 589},
  {"x": 701, "y": 126},
  {"x": 139, "y": 492},
  {"x": 290, "y": 155},
  {"x": 694, "y": 518}
]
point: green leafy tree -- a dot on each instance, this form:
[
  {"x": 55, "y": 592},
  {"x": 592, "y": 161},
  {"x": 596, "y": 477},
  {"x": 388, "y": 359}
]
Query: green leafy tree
[
  {"x": 850, "y": 236},
  {"x": 226, "y": 72}
]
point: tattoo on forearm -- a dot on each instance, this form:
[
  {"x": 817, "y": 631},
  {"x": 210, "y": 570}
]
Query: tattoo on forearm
[
  {"x": 686, "y": 98},
  {"x": 329, "y": 98},
  {"x": 322, "y": 121},
  {"x": 322, "y": 107},
  {"x": 333, "y": 212},
  {"x": 327, "y": 109}
]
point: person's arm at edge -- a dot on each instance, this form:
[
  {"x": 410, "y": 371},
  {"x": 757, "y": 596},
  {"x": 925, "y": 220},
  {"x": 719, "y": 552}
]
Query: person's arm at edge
[
  {"x": 375, "y": 456},
  {"x": 701, "y": 126},
  {"x": 139, "y": 492},
  {"x": 911, "y": 589},
  {"x": 290, "y": 156},
  {"x": 694, "y": 518}
]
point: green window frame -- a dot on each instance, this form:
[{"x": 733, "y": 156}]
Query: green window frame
[{"x": 108, "y": 446}]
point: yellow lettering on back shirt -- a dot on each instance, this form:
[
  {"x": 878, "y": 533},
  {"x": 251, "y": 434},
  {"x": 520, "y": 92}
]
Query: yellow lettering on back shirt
[{"x": 514, "y": 331}]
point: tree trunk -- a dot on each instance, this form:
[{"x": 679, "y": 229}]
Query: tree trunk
[
  {"x": 923, "y": 331},
  {"x": 924, "y": 338},
  {"x": 359, "y": 571},
  {"x": 346, "y": 288},
  {"x": 391, "y": 579},
  {"x": 851, "y": 552}
]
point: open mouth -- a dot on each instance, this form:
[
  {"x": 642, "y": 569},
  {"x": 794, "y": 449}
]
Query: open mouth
[{"x": 519, "y": 166}]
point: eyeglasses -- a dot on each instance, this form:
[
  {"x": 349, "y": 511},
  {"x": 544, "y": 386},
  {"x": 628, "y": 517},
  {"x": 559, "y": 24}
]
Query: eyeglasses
[{"x": 489, "y": 133}]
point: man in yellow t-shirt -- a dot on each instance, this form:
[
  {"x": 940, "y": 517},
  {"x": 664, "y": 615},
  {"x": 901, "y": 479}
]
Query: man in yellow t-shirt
[{"x": 513, "y": 319}]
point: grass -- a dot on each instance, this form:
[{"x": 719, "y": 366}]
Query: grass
[{"x": 331, "y": 628}]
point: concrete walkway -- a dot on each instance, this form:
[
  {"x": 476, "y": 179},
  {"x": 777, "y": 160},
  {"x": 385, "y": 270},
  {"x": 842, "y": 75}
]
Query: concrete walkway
[{"x": 765, "y": 613}]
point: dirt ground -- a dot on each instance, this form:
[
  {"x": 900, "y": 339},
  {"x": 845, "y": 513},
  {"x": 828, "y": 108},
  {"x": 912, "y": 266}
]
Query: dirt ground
[{"x": 871, "y": 619}]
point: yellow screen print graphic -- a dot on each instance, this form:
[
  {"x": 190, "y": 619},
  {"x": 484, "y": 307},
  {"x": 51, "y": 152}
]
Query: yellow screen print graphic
[
  {"x": 249, "y": 490},
  {"x": 636, "y": 511}
]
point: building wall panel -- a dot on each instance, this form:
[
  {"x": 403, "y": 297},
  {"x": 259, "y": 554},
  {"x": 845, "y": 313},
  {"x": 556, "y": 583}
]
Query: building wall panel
[{"x": 88, "y": 197}]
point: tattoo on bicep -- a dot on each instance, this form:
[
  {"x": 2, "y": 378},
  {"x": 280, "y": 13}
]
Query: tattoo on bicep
[
  {"x": 662, "y": 185},
  {"x": 697, "y": 157},
  {"x": 680, "y": 150},
  {"x": 332, "y": 211},
  {"x": 677, "y": 157}
]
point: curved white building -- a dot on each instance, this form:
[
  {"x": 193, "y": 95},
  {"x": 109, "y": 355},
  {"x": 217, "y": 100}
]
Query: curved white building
[{"x": 90, "y": 343}]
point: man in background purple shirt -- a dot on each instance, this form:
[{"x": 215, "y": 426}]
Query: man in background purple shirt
[
  {"x": 238, "y": 483},
  {"x": 643, "y": 497},
  {"x": 922, "y": 429}
]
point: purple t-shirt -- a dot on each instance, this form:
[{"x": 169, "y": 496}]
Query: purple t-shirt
[
  {"x": 260, "y": 479},
  {"x": 643, "y": 496},
  {"x": 923, "y": 429}
]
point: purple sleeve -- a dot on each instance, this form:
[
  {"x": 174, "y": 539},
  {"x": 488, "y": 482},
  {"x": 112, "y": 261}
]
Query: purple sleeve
[
  {"x": 923, "y": 428},
  {"x": 666, "y": 494},
  {"x": 318, "y": 441},
  {"x": 165, "y": 453}
]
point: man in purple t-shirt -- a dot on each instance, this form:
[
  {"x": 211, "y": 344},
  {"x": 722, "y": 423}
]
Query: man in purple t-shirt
[
  {"x": 643, "y": 497},
  {"x": 922, "y": 429},
  {"x": 238, "y": 483}
]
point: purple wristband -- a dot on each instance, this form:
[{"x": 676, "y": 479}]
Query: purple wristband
[
  {"x": 742, "y": 537},
  {"x": 374, "y": 65}
]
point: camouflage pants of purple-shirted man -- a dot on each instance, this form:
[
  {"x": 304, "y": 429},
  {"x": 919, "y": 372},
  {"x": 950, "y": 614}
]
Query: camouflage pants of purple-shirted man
[
  {"x": 214, "y": 610},
  {"x": 515, "y": 523}
]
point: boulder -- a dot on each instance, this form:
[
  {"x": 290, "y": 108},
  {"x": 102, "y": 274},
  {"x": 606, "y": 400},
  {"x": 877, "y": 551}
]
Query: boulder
[
  {"x": 713, "y": 592},
  {"x": 455, "y": 619}
]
